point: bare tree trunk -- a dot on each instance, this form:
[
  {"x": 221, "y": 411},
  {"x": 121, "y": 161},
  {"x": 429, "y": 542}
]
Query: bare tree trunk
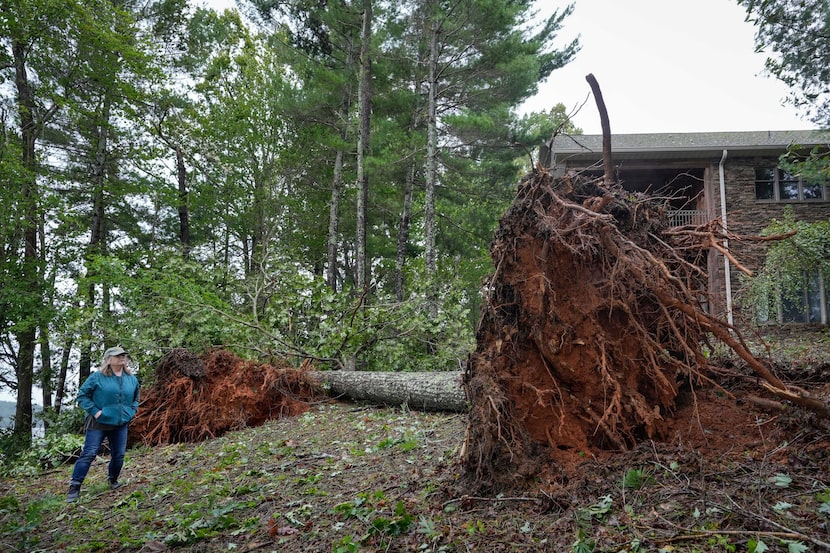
[
  {"x": 181, "y": 182},
  {"x": 365, "y": 99},
  {"x": 184, "y": 212},
  {"x": 607, "y": 159},
  {"x": 45, "y": 368},
  {"x": 430, "y": 255},
  {"x": 403, "y": 233},
  {"x": 26, "y": 335},
  {"x": 337, "y": 185},
  {"x": 60, "y": 383},
  {"x": 334, "y": 220},
  {"x": 97, "y": 242},
  {"x": 44, "y": 335},
  {"x": 427, "y": 391}
]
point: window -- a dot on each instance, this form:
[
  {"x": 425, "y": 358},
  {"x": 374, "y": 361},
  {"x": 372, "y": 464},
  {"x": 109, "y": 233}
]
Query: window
[
  {"x": 813, "y": 190},
  {"x": 764, "y": 183},
  {"x": 787, "y": 186},
  {"x": 777, "y": 185},
  {"x": 810, "y": 305}
]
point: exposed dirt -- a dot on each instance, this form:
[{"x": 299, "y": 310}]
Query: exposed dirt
[
  {"x": 195, "y": 397},
  {"x": 594, "y": 337}
]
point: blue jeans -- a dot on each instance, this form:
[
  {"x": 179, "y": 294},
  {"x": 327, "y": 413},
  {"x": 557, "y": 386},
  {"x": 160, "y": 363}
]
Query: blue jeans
[{"x": 92, "y": 443}]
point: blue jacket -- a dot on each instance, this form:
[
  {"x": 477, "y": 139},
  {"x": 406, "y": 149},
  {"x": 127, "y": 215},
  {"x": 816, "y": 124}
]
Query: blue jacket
[{"x": 116, "y": 396}]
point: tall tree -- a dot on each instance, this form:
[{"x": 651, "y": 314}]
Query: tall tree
[
  {"x": 28, "y": 32},
  {"x": 364, "y": 94},
  {"x": 482, "y": 62},
  {"x": 102, "y": 112},
  {"x": 326, "y": 41}
]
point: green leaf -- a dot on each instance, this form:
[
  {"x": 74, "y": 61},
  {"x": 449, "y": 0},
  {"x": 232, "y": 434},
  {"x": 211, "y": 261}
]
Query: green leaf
[
  {"x": 781, "y": 480},
  {"x": 782, "y": 506},
  {"x": 795, "y": 547},
  {"x": 756, "y": 546}
]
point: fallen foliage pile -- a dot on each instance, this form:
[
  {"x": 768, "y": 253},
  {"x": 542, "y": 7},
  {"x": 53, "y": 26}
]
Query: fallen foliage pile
[
  {"x": 198, "y": 397},
  {"x": 593, "y": 332}
]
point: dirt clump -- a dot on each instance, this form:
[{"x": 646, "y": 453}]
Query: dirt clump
[
  {"x": 196, "y": 397},
  {"x": 594, "y": 335}
]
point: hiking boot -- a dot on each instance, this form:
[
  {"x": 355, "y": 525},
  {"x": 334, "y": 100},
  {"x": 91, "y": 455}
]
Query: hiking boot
[
  {"x": 114, "y": 484},
  {"x": 74, "y": 492}
]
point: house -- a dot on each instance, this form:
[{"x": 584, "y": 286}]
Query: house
[{"x": 733, "y": 176}]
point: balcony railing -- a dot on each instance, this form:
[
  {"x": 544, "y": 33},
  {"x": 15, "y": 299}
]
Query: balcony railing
[{"x": 683, "y": 217}]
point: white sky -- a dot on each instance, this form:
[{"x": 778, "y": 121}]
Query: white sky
[{"x": 666, "y": 66}]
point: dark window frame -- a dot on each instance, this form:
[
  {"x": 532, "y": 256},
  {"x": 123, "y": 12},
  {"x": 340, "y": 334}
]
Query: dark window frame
[{"x": 778, "y": 183}]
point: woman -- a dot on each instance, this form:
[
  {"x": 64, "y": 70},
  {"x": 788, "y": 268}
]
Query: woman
[{"x": 110, "y": 398}]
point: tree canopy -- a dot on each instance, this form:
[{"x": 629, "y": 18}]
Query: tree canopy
[
  {"x": 179, "y": 177},
  {"x": 798, "y": 34}
]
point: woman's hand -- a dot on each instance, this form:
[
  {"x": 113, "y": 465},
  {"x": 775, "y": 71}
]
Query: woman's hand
[{"x": 98, "y": 414}]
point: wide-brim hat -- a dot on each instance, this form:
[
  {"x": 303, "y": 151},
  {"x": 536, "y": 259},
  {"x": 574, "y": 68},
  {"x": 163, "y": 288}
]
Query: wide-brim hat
[{"x": 112, "y": 352}]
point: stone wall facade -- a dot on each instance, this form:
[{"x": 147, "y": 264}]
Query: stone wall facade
[{"x": 747, "y": 216}]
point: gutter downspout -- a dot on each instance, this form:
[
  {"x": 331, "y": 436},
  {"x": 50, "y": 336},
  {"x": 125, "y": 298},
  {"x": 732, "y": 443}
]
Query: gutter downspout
[{"x": 726, "y": 269}]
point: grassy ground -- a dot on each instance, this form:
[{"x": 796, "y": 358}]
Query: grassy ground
[
  {"x": 347, "y": 478},
  {"x": 353, "y": 478}
]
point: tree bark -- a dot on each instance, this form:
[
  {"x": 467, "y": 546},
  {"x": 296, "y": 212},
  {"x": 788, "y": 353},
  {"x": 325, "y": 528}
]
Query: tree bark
[
  {"x": 430, "y": 177},
  {"x": 403, "y": 234},
  {"x": 60, "y": 384},
  {"x": 45, "y": 367},
  {"x": 98, "y": 231},
  {"x": 365, "y": 99},
  {"x": 184, "y": 210},
  {"x": 607, "y": 159},
  {"x": 423, "y": 391},
  {"x": 26, "y": 335},
  {"x": 334, "y": 221}
]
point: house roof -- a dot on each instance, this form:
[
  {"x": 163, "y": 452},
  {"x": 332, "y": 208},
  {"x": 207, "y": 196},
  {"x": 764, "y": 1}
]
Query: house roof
[{"x": 685, "y": 145}]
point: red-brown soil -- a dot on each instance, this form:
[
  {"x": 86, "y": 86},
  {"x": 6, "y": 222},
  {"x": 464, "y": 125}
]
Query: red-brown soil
[
  {"x": 196, "y": 397},
  {"x": 593, "y": 339}
]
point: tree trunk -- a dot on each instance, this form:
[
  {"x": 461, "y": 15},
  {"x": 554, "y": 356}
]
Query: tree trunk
[
  {"x": 45, "y": 367},
  {"x": 403, "y": 234},
  {"x": 607, "y": 159},
  {"x": 60, "y": 384},
  {"x": 425, "y": 391},
  {"x": 430, "y": 255},
  {"x": 181, "y": 181},
  {"x": 334, "y": 221},
  {"x": 333, "y": 239},
  {"x": 184, "y": 212},
  {"x": 97, "y": 243},
  {"x": 26, "y": 335},
  {"x": 44, "y": 338},
  {"x": 365, "y": 99}
]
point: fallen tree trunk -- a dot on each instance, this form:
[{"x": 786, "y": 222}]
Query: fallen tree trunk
[
  {"x": 196, "y": 397},
  {"x": 423, "y": 391}
]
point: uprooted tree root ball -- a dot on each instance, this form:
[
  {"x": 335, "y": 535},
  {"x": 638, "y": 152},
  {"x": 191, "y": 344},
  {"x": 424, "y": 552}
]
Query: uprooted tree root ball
[
  {"x": 592, "y": 331},
  {"x": 196, "y": 397}
]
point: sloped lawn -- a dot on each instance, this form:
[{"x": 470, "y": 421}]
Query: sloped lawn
[{"x": 346, "y": 478}]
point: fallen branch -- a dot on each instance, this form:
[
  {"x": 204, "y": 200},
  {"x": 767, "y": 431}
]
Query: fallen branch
[{"x": 469, "y": 498}]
